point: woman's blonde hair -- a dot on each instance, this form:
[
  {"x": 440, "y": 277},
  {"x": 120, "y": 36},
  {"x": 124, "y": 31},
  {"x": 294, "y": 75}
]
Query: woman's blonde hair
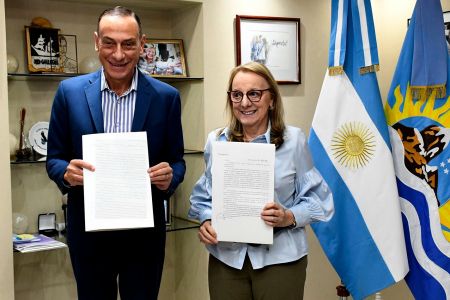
[{"x": 276, "y": 112}]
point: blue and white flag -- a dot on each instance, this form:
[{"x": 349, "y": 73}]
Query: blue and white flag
[
  {"x": 350, "y": 144},
  {"x": 418, "y": 113}
]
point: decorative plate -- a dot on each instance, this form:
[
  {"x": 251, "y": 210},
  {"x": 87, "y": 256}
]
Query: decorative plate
[{"x": 38, "y": 135}]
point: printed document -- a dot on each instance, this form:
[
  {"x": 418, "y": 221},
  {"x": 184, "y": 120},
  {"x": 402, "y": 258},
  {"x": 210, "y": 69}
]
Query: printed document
[
  {"x": 242, "y": 183},
  {"x": 117, "y": 195}
]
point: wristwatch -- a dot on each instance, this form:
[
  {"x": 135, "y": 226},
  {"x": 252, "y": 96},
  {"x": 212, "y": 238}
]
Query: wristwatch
[{"x": 293, "y": 225}]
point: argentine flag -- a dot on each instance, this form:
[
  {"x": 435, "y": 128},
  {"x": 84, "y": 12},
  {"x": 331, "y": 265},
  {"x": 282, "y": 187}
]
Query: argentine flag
[
  {"x": 418, "y": 113},
  {"x": 350, "y": 144}
]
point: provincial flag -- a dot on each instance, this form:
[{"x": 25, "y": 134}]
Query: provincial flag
[
  {"x": 418, "y": 113},
  {"x": 350, "y": 144}
]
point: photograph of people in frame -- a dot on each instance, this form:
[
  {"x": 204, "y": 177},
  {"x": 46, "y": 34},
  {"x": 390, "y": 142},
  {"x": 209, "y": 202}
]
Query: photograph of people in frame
[
  {"x": 42, "y": 49},
  {"x": 147, "y": 61},
  {"x": 164, "y": 58}
]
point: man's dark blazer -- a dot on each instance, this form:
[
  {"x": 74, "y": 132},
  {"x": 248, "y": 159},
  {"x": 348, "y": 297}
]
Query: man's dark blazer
[{"x": 77, "y": 111}]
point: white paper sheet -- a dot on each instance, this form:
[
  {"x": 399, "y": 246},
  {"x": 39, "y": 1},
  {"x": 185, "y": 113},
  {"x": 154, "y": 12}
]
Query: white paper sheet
[
  {"x": 242, "y": 183},
  {"x": 117, "y": 195}
]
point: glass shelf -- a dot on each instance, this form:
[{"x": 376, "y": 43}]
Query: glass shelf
[
  {"x": 189, "y": 151},
  {"x": 60, "y": 76},
  {"x": 178, "y": 224},
  {"x": 42, "y": 75},
  {"x": 33, "y": 161},
  {"x": 18, "y": 162},
  {"x": 59, "y": 238}
]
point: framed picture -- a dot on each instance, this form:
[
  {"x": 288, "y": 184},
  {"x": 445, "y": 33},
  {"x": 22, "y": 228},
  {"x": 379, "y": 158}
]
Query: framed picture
[
  {"x": 42, "y": 49},
  {"x": 163, "y": 58},
  {"x": 68, "y": 55},
  {"x": 272, "y": 41},
  {"x": 447, "y": 29}
]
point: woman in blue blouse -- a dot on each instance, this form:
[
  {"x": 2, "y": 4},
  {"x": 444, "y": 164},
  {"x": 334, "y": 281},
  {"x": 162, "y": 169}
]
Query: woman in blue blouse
[{"x": 277, "y": 271}]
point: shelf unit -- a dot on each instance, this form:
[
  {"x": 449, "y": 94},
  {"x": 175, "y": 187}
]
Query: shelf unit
[{"x": 32, "y": 191}]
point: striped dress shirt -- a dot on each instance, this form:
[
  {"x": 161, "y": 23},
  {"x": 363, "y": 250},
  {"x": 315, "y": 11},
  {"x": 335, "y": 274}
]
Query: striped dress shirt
[{"x": 118, "y": 111}]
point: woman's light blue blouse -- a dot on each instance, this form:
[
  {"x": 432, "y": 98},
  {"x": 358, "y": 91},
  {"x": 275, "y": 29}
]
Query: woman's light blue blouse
[{"x": 298, "y": 187}]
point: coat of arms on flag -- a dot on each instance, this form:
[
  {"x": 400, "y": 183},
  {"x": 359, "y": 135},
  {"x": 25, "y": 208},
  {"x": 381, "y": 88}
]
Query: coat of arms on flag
[
  {"x": 418, "y": 113},
  {"x": 350, "y": 145}
]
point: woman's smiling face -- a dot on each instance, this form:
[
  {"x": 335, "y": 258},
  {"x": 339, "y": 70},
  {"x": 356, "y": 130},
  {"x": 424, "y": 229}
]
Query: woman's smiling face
[{"x": 254, "y": 116}]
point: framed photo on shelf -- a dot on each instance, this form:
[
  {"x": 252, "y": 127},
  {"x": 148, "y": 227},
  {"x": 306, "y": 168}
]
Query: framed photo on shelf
[
  {"x": 272, "y": 41},
  {"x": 68, "y": 55},
  {"x": 163, "y": 58},
  {"x": 42, "y": 48},
  {"x": 447, "y": 29}
]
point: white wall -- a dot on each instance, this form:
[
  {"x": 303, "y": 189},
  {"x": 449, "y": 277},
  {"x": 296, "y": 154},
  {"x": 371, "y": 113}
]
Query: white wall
[
  {"x": 300, "y": 100},
  {"x": 6, "y": 258},
  {"x": 220, "y": 51},
  {"x": 187, "y": 267}
]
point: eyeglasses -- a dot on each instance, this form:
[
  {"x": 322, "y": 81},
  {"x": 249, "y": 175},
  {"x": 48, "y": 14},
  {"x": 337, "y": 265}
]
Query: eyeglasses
[{"x": 252, "y": 95}]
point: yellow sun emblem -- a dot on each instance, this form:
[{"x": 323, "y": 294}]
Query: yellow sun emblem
[{"x": 353, "y": 145}]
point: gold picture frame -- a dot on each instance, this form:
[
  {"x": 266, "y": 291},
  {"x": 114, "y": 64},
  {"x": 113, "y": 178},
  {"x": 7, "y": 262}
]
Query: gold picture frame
[{"x": 163, "y": 58}]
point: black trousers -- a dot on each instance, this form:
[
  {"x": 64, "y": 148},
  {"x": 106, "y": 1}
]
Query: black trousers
[{"x": 126, "y": 261}]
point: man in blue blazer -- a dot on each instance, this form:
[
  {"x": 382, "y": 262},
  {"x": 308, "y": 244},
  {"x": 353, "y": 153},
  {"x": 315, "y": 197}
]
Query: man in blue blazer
[{"x": 117, "y": 98}]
